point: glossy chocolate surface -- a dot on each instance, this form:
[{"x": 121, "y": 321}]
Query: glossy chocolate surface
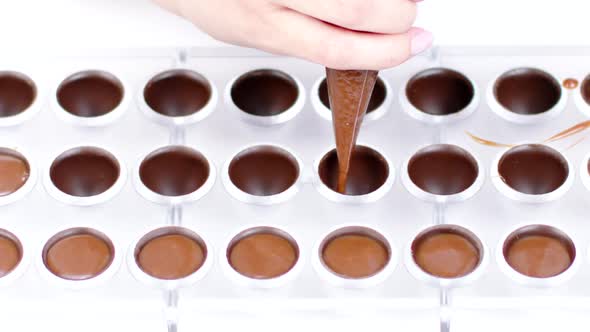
[
  {"x": 377, "y": 97},
  {"x": 368, "y": 171},
  {"x": 443, "y": 169},
  {"x": 84, "y": 171},
  {"x": 439, "y": 91},
  {"x": 446, "y": 253},
  {"x": 17, "y": 93},
  {"x": 90, "y": 93},
  {"x": 533, "y": 169},
  {"x": 14, "y": 171},
  {"x": 349, "y": 91},
  {"x": 263, "y": 170},
  {"x": 264, "y": 92},
  {"x": 262, "y": 255},
  {"x": 539, "y": 251},
  {"x": 527, "y": 91},
  {"x": 177, "y": 92},
  {"x": 78, "y": 255},
  {"x": 585, "y": 89},
  {"x": 10, "y": 253},
  {"x": 171, "y": 256},
  {"x": 174, "y": 170},
  {"x": 355, "y": 255}
]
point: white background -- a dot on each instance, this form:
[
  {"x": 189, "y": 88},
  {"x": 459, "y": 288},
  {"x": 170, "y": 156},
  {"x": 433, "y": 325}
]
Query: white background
[{"x": 138, "y": 23}]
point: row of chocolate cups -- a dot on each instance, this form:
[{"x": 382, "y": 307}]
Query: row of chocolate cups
[
  {"x": 349, "y": 256},
  {"x": 269, "y": 174},
  {"x": 270, "y": 96}
]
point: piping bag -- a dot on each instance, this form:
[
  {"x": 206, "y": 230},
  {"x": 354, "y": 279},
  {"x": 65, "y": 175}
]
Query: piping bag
[{"x": 349, "y": 92}]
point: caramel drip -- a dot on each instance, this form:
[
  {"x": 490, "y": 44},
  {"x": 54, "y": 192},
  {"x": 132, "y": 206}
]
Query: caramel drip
[
  {"x": 569, "y": 131},
  {"x": 488, "y": 142}
]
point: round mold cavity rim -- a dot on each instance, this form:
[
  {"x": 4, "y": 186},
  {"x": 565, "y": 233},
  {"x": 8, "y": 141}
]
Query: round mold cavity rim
[
  {"x": 435, "y": 281},
  {"x": 585, "y": 171},
  {"x": 353, "y": 283},
  {"x": 101, "y": 198},
  {"x": 525, "y": 119},
  {"x": 370, "y": 117},
  {"x": 271, "y": 120},
  {"x": 518, "y": 196},
  {"x": 170, "y": 284},
  {"x": 93, "y": 282},
  {"x": 35, "y": 106},
  {"x": 22, "y": 266},
  {"x": 96, "y": 121},
  {"x": 581, "y": 103},
  {"x": 245, "y": 197},
  {"x": 464, "y": 195},
  {"x": 557, "y": 230},
  {"x": 26, "y": 188},
  {"x": 271, "y": 283},
  {"x": 155, "y": 197},
  {"x": 173, "y": 121},
  {"x": 337, "y": 197},
  {"x": 431, "y": 119}
]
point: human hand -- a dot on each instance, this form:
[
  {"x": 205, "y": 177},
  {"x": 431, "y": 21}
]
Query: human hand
[{"x": 340, "y": 34}]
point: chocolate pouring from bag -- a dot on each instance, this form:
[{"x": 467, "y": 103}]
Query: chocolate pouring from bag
[{"x": 350, "y": 92}]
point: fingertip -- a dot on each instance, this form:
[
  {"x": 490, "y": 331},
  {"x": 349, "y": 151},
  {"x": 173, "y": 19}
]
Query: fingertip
[{"x": 420, "y": 40}]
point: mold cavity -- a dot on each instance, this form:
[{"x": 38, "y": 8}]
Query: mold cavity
[
  {"x": 263, "y": 170},
  {"x": 84, "y": 171},
  {"x": 527, "y": 91},
  {"x": 447, "y": 251},
  {"x": 440, "y": 91},
  {"x": 533, "y": 169},
  {"x": 170, "y": 253},
  {"x": 174, "y": 170},
  {"x": 11, "y": 252},
  {"x": 78, "y": 254},
  {"x": 539, "y": 251},
  {"x": 90, "y": 93},
  {"x": 14, "y": 171},
  {"x": 377, "y": 98},
  {"x": 585, "y": 89},
  {"x": 368, "y": 171},
  {"x": 264, "y": 92},
  {"x": 262, "y": 253},
  {"x": 177, "y": 92},
  {"x": 355, "y": 252},
  {"x": 17, "y": 93},
  {"x": 443, "y": 169}
]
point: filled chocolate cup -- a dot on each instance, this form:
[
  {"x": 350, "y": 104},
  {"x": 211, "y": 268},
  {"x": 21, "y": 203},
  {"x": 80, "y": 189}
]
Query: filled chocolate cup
[
  {"x": 85, "y": 171},
  {"x": 17, "y": 93},
  {"x": 90, "y": 93},
  {"x": 263, "y": 170},
  {"x": 527, "y": 91},
  {"x": 262, "y": 253},
  {"x": 539, "y": 251},
  {"x": 443, "y": 169},
  {"x": 177, "y": 93},
  {"x": 377, "y": 98},
  {"x": 533, "y": 169},
  {"x": 11, "y": 252},
  {"x": 354, "y": 253},
  {"x": 368, "y": 171},
  {"x": 174, "y": 171},
  {"x": 447, "y": 251},
  {"x": 14, "y": 171},
  {"x": 440, "y": 91},
  {"x": 170, "y": 253},
  {"x": 78, "y": 254},
  {"x": 265, "y": 92},
  {"x": 585, "y": 89}
]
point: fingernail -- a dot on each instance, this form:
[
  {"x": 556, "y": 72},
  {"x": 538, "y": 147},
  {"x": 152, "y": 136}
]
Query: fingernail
[
  {"x": 420, "y": 40},
  {"x": 417, "y": 0}
]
